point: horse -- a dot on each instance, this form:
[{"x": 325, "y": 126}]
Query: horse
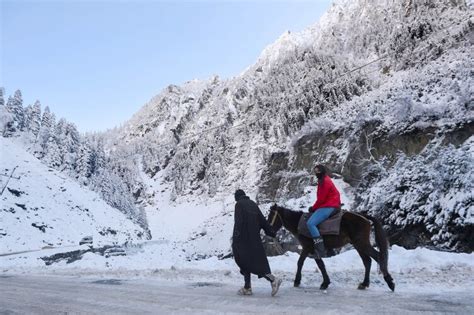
[{"x": 355, "y": 229}]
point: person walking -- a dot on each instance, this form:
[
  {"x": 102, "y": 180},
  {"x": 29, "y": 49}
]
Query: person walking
[{"x": 247, "y": 246}]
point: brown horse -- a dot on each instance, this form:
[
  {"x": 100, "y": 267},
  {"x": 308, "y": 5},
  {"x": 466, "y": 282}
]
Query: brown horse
[{"x": 355, "y": 229}]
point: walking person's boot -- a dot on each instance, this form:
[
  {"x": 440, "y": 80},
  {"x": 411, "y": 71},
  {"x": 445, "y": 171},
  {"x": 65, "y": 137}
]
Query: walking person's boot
[
  {"x": 275, "y": 282},
  {"x": 276, "y": 285},
  {"x": 245, "y": 291}
]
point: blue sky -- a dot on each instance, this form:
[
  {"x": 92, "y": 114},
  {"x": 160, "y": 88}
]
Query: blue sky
[{"x": 96, "y": 63}]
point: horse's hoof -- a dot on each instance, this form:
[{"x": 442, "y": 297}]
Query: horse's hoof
[
  {"x": 362, "y": 286},
  {"x": 390, "y": 283},
  {"x": 296, "y": 284},
  {"x": 324, "y": 285}
]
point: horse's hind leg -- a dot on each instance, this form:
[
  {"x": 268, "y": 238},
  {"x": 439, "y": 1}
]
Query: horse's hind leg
[
  {"x": 367, "y": 264},
  {"x": 301, "y": 260},
  {"x": 386, "y": 275},
  {"x": 326, "y": 280}
]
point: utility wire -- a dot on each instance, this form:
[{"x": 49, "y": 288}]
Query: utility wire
[
  {"x": 8, "y": 180},
  {"x": 246, "y": 123}
]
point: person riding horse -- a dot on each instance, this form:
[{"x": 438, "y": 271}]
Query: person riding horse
[{"x": 328, "y": 200}]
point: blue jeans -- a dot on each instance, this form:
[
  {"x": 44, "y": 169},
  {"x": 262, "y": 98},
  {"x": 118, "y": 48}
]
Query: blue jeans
[{"x": 316, "y": 218}]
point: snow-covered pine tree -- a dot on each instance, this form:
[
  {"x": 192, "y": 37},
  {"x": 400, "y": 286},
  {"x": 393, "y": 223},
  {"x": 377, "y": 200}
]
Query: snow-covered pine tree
[
  {"x": 27, "y": 112},
  {"x": 59, "y": 135},
  {"x": 115, "y": 193},
  {"x": 52, "y": 154},
  {"x": 11, "y": 126},
  {"x": 15, "y": 106},
  {"x": 85, "y": 163},
  {"x": 98, "y": 156},
  {"x": 6, "y": 118},
  {"x": 69, "y": 146},
  {"x": 2, "y": 97},
  {"x": 67, "y": 139},
  {"x": 47, "y": 122},
  {"x": 35, "y": 118}
]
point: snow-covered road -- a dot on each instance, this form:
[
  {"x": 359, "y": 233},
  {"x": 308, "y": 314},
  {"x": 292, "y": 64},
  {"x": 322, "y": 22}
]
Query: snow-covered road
[
  {"x": 156, "y": 278},
  {"x": 48, "y": 294}
]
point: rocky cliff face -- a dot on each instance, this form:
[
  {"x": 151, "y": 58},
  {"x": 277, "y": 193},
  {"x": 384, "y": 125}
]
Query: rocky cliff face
[{"x": 427, "y": 117}]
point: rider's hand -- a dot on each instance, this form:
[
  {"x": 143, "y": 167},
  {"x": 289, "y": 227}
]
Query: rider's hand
[{"x": 310, "y": 209}]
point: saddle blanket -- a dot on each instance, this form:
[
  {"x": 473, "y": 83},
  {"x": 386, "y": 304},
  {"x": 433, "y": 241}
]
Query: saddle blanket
[{"x": 331, "y": 226}]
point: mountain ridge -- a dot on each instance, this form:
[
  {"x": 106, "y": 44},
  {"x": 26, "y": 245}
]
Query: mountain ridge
[{"x": 223, "y": 135}]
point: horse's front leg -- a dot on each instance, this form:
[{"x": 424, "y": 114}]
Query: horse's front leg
[
  {"x": 326, "y": 280},
  {"x": 301, "y": 260}
]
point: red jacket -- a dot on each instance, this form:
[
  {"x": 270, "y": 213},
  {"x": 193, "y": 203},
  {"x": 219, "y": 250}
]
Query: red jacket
[{"x": 327, "y": 195}]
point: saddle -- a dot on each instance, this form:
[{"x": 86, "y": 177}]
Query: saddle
[{"x": 330, "y": 226}]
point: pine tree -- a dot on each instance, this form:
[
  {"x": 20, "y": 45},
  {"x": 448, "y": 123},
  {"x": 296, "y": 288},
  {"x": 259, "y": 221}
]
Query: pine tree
[
  {"x": 60, "y": 137},
  {"x": 35, "y": 119},
  {"x": 47, "y": 118},
  {"x": 6, "y": 118},
  {"x": 15, "y": 106},
  {"x": 47, "y": 122},
  {"x": 52, "y": 156},
  {"x": 73, "y": 137},
  {"x": 99, "y": 158},
  {"x": 10, "y": 127},
  {"x": 84, "y": 166},
  {"x": 28, "y": 110},
  {"x": 114, "y": 191},
  {"x": 2, "y": 98},
  {"x": 69, "y": 145}
]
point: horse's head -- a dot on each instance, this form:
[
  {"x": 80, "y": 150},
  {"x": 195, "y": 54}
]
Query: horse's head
[{"x": 274, "y": 217}]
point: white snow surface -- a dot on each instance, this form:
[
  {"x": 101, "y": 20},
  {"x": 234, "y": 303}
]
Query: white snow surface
[
  {"x": 420, "y": 270},
  {"x": 49, "y": 199},
  {"x": 189, "y": 235}
]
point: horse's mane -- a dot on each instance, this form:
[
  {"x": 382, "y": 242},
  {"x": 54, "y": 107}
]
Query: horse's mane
[
  {"x": 290, "y": 210},
  {"x": 297, "y": 214},
  {"x": 291, "y": 217}
]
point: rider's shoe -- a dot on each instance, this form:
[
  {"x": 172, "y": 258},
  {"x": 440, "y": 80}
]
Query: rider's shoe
[{"x": 319, "y": 249}]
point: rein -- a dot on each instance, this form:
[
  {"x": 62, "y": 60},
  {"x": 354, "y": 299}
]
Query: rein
[{"x": 275, "y": 216}]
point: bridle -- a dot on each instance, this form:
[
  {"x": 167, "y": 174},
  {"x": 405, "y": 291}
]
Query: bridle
[{"x": 275, "y": 216}]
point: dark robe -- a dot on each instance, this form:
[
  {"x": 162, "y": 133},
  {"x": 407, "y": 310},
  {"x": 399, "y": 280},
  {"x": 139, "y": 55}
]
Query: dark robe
[{"x": 246, "y": 242}]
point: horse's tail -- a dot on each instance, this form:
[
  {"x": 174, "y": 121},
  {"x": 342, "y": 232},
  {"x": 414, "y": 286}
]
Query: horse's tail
[{"x": 381, "y": 241}]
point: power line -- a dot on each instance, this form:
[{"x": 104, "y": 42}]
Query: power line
[
  {"x": 8, "y": 180},
  {"x": 384, "y": 56}
]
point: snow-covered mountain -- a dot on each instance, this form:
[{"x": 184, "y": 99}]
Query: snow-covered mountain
[
  {"x": 381, "y": 92},
  {"x": 41, "y": 207},
  {"x": 373, "y": 88}
]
